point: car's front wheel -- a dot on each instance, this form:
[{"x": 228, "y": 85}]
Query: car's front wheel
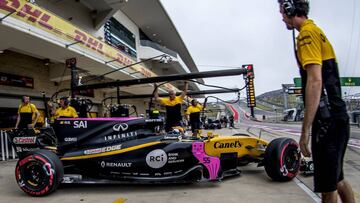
[{"x": 282, "y": 159}]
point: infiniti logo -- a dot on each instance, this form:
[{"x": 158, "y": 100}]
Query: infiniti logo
[{"x": 120, "y": 127}]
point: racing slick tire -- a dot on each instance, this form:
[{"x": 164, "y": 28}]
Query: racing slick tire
[
  {"x": 39, "y": 172},
  {"x": 282, "y": 159}
]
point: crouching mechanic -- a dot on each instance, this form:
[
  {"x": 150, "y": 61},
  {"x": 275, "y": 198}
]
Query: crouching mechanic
[
  {"x": 193, "y": 115},
  {"x": 173, "y": 107},
  {"x": 26, "y": 112},
  {"x": 65, "y": 110}
]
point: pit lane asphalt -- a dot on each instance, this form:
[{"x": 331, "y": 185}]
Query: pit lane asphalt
[
  {"x": 352, "y": 156},
  {"x": 252, "y": 185}
]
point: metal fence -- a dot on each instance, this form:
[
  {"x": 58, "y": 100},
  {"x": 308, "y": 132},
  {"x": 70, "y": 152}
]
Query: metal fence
[{"x": 7, "y": 151}]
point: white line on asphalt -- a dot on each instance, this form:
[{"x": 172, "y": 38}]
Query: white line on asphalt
[
  {"x": 354, "y": 146},
  {"x": 298, "y": 182},
  {"x": 307, "y": 190}
]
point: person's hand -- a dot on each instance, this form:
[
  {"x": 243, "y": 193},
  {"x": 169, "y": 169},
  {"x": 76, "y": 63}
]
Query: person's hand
[
  {"x": 304, "y": 144},
  {"x": 50, "y": 104},
  {"x": 30, "y": 126}
]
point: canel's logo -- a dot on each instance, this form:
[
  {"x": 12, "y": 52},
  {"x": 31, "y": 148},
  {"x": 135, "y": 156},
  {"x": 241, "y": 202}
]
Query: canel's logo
[
  {"x": 156, "y": 158},
  {"x": 221, "y": 145},
  {"x": 120, "y": 127}
]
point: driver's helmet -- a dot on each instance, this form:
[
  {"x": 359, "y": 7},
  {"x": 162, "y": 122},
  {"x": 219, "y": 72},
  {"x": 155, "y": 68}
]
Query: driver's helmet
[{"x": 177, "y": 130}]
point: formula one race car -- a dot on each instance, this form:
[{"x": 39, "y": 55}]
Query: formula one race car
[
  {"x": 212, "y": 124},
  {"x": 130, "y": 150}
]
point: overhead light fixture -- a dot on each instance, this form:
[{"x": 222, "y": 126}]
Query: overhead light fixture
[
  {"x": 165, "y": 59},
  {"x": 79, "y": 81},
  {"x": 154, "y": 34},
  {"x": 46, "y": 62},
  {"x": 134, "y": 72}
]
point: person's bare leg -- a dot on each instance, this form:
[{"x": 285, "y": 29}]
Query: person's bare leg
[
  {"x": 329, "y": 197},
  {"x": 345, "y": 192}
]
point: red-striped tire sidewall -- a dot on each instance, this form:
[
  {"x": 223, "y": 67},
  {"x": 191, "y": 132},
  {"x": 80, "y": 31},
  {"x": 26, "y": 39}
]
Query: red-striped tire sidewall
[
  {"x": 274, "y": 159},
  {"x": 51, "y": 168}
]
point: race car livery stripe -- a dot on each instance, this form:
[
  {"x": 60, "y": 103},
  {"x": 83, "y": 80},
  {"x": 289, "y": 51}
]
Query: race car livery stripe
[
  {"x": 110, "y": 153},
  {"x": 99, "y": 119},
  {"x": 211, "y": 163}
]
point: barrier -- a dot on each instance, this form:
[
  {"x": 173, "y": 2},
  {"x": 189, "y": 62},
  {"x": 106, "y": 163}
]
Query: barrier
[{"x": 6, "y": 148}]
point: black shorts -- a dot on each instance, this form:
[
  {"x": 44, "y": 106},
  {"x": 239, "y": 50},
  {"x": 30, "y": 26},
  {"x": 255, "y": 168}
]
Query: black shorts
[
  {"x": 329, "y": 142},
  {"x": 170, "y": 124},
  {"x": 195, "y": 126}
]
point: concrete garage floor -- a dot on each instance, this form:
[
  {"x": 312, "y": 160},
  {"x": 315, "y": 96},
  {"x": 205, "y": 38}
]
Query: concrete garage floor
[{"x": 252, "y": 185}]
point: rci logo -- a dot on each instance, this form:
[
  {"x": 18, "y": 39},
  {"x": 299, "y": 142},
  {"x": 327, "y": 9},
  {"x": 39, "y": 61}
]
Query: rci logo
[
  {"x": 120, "y": 127},
  {"x": 156, "y": 158}
]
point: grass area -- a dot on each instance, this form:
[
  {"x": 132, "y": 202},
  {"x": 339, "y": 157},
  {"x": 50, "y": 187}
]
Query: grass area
[
  {"x": 278, "y": 99},
  {"x": 262, "y": 107}
]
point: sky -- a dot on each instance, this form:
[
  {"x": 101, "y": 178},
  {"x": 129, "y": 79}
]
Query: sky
[{"x": 228, "y": 33}]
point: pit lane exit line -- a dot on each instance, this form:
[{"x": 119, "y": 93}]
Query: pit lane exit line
[{"x": 307, "y": 190}]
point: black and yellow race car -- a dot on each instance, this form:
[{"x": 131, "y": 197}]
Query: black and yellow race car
[{"x": 131, "y": 150}]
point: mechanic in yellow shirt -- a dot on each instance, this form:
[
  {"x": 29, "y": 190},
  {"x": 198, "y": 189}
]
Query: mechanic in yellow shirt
[
  {"x": 325, "y": 118},
  {"x": 193, "y": 115},
  {"x": 26, "y": 112},
  {"x": 173, "y": 107},
  {"x": 65, "y": 111}
]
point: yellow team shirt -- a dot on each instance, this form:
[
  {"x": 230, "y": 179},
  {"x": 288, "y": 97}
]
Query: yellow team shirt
[
  {"x": 27, "y": 108},
  {"x": 68, "y": 112},
  {"x": 194, "y": 109},
  {"x": 312, "y": 44},
  {"x": 168, "y": 102}
]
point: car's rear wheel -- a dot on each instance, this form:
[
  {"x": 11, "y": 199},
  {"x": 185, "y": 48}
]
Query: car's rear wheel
[
  {"x": 39, "y": 173},
  {"x": 282, "y": 159}
]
